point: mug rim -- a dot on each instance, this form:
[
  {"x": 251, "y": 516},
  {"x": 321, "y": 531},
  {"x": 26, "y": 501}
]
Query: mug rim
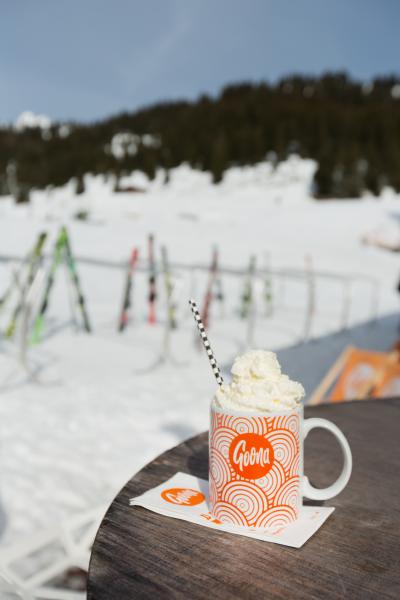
[{"x": 252, "y": 413}]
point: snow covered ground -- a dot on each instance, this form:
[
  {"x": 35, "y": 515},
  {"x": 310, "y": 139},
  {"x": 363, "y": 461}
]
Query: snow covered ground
[{"x": 98, "y": 407}]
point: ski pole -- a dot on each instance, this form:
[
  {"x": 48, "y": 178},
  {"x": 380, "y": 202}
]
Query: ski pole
[
  {"x": 208, "y": 298},
  {"x": 39, "y": 320},
  {"x": 126, "y": 300},
  {"x": 247, "y": 295},
  {"x": 152, "y": 281},
  {"x": 33, "y": 265},
  {"x": 75, "y": 280},
  {"x": 171, "y": 308}
]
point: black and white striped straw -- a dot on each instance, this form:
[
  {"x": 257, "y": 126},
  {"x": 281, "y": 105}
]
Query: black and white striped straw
[{"x": 204, "y": 338}]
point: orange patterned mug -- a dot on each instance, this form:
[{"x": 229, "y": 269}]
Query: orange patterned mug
[{"x": 256, "y": 466}]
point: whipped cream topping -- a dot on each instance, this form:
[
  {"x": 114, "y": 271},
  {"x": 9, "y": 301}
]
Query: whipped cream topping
[{"x": 258, "y": 384}]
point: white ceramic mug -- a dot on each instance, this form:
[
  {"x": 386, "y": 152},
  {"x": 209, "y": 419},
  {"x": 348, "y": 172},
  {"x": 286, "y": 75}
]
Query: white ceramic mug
[{"x": 256, "y": 466}]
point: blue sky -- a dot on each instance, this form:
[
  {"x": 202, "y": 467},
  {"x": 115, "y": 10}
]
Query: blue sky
[{"x": 85, "y": 60}]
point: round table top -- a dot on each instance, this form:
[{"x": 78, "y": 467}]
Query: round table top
[{"x": 355, "y": 554}]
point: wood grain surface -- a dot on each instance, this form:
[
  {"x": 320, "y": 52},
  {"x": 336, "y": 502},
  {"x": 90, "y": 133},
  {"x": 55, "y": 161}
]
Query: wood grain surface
[{"x": 355, "y": 555}]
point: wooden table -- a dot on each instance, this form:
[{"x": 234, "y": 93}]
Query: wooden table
[{"x": 355, "y": 555}]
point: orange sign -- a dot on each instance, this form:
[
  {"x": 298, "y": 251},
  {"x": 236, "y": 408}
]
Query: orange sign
[
  {"x": 251, "y": 455},
  {"x": 360, "y": 374},
  {"x": 183, "y": 496},
  {"x": 389, "y": 384}
]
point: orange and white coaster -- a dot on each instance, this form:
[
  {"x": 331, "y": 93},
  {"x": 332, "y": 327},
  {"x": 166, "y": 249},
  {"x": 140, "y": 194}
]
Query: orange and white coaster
[{"x": 186, "y": 497}]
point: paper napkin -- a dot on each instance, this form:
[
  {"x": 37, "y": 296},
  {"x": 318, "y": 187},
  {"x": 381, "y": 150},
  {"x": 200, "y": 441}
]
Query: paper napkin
[{"x": 185, "y": 497}]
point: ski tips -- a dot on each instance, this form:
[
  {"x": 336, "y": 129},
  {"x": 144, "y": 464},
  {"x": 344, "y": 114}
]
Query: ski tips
[{"x": 206, "y": 343}]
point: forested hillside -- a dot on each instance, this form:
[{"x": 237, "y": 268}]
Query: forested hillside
[{"x": 351, "y": 129}]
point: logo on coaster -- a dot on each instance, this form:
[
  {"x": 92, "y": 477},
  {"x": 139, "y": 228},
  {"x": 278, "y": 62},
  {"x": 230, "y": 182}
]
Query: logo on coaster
[
  {"x": 251, "y": 455},
  {"x": 210, "y": 518},
  {"x": 183, "y": 496}
]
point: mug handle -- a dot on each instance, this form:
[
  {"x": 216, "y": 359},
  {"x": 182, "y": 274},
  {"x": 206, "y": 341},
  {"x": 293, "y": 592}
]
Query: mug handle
[{"x": 324, "y": 494}]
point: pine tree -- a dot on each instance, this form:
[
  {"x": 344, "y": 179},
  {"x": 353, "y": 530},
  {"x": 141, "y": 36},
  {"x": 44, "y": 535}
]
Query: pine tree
[
  {"x": 80, "y": 185},
  {"x": 219, "y": 158},
  {"x": 332, "y": 119}
]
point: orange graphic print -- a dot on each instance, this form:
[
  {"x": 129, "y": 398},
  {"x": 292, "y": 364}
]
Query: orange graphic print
[
  {"x": 183, "y": 496},
  {"x": 254, "y": 478}
]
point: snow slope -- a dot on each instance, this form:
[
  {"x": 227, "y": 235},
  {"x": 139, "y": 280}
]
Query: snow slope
[{"x": 96, "y": 407}]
